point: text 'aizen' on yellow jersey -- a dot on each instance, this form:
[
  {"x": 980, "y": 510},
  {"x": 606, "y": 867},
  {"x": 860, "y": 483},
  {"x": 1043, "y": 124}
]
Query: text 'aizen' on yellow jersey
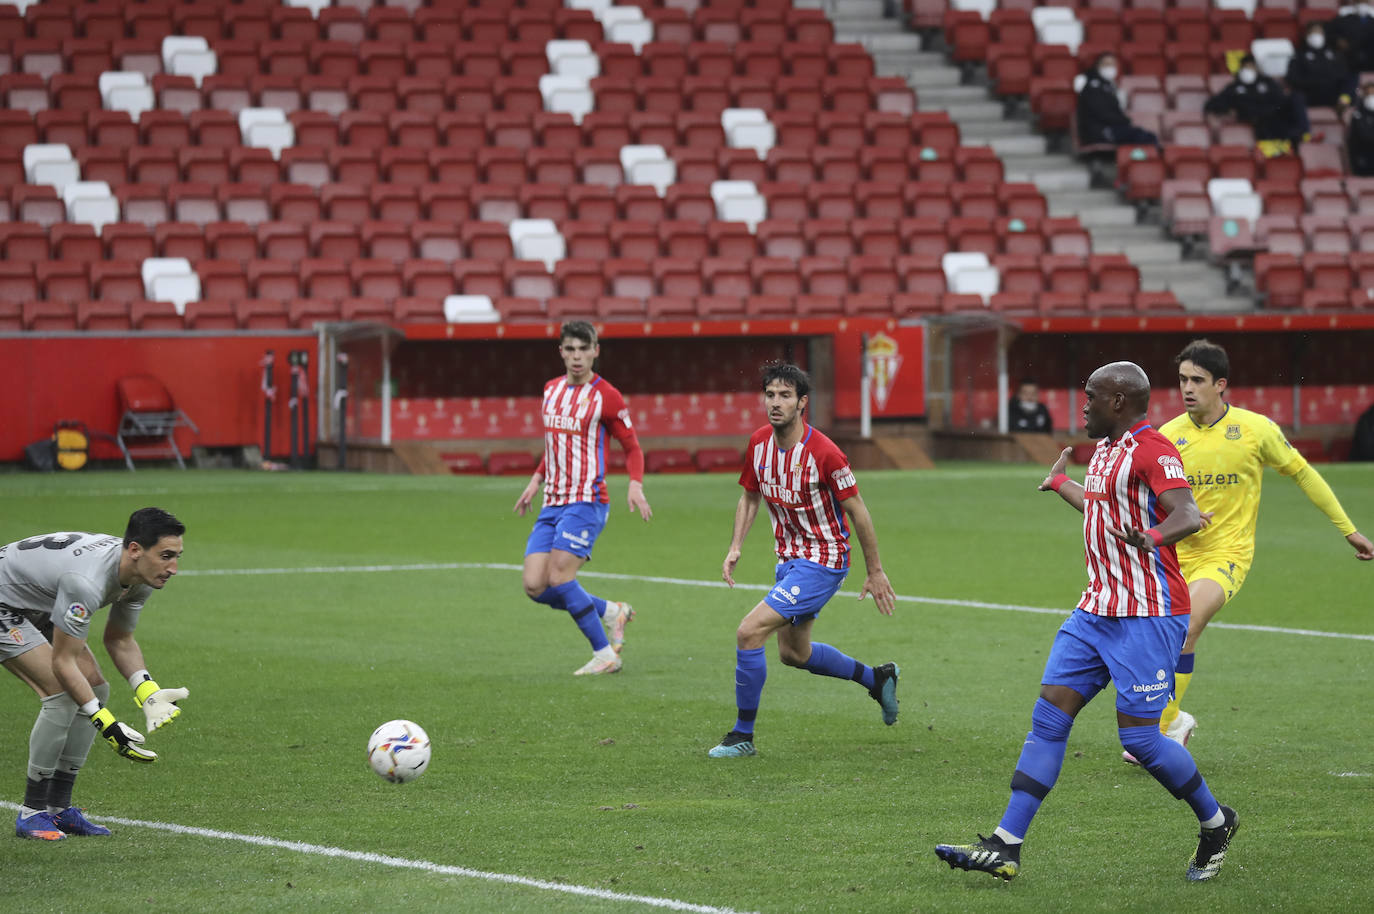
[{"x": 1225, "y": 464}]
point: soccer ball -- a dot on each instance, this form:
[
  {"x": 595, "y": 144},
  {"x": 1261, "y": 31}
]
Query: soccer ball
[{"x": 399, "y": 751}]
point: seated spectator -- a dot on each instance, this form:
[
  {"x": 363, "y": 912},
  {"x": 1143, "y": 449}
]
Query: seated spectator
[
  {"x": 1353, "y": 33},
  {"x": 1359, "y": 135},
  {"x": 1100, "y": 117},
  {"x": 1320, "y": 72},
  {"x": 1026, "y": 413},
  {"x": 1260, "y": 101}
]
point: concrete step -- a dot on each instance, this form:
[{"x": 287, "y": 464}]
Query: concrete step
[
  {"x": 1048, "y": 171},
  {"x": 862, "y": 25},
  {"x": 1103, "y": 217},
  {"x": 968, "y": 112},
  {"x": 983, "y": 131},
  {"x": 1009, "y": 147},
  {"x": 1141, "y": 251},
  {"x": 941, "y": 96},
  {"x": 838, "y": 10},
  {"x": 891, "y": 41},
  {"x": 922, "y": 76}
]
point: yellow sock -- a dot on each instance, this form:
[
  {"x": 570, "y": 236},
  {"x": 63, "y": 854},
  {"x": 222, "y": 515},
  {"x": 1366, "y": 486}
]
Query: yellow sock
[{"x": 1181, "y": 680}]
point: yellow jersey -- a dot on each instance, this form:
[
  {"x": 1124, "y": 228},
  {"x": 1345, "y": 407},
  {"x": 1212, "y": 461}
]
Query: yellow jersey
[{"x": 1225, "y": 464}]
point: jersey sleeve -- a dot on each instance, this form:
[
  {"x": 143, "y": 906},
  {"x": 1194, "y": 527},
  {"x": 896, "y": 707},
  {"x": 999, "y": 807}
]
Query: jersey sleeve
[
  {"x": 76, "y": 603},
  {"x": 749, "y": 474},
  {"x": 616, "y": 417},
  {"x": 1157, "y": 462},
  {"x": 1276, "y": 452},
  {"x": 124, "y": 612},
  {"x": 839, "y": 475}
]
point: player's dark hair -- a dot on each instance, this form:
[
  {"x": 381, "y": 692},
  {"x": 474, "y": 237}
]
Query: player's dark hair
[
  {"x": 1028, "y": 380},
  {"x": 788, "y": 374},
  {"x": 578, "y": 330},
  {"x": 148, "y": 525},
  {"x": 1206, "y": 354}
]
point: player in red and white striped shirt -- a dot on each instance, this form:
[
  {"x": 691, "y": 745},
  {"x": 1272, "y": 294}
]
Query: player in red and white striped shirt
[
  {"x": 579, "y": 408},
  {"x": 810, "y": 489},
  {"x": 1128, "y": 628}
]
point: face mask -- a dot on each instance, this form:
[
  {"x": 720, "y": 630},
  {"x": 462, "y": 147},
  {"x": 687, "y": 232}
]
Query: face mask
[
  {"x": 1029, "y": 406},
  {"x": 1369, "y": 103},
  {"x": 1316, "y": 41},
  {"x": 1107, "y": 73},
  {"x": 1248, "y": 76}
]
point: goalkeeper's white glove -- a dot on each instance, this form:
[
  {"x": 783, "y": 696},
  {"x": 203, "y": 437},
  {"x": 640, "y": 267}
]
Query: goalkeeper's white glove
[
  {"x": 122, "y": 738},
  {"x": 158, "y": 704}
]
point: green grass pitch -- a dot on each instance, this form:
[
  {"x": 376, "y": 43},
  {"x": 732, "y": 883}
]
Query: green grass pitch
[{"x": 604, "y": 783}]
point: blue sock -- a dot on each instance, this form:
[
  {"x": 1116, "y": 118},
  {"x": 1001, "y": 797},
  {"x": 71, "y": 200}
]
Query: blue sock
[
  {"x": 1037, "y": 769},
  {"x": 579, "y": 605},
  {"x": 1185, "y": 663},
  {"x": 548, "y": 598},
  {"x": 1172, "y": 766},
  {"x": 827, "y": 661},
  {"x": 751, "y": 670}
]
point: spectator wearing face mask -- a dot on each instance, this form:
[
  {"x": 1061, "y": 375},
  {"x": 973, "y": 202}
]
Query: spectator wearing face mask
[
  {"x": 1320, "y": 72},
  {"x": 1260, "y": 101},
  {"x": 1359, "y": 135},
  {"x": 1100, "y": 117}
]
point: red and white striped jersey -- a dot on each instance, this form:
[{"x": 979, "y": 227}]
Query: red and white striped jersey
[
  {"x": 1124, "y": 481},
  {"x": 576, "y": 419},
  {"x": 803, "y": 486}
]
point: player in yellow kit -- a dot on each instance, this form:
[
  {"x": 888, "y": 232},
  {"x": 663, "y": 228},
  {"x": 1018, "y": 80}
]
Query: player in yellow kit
[{"x": 1225, "y": 450}]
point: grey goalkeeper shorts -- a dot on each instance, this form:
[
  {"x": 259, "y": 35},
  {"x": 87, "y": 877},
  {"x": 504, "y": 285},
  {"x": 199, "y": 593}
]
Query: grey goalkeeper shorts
[{"x": 18, "y": 633}]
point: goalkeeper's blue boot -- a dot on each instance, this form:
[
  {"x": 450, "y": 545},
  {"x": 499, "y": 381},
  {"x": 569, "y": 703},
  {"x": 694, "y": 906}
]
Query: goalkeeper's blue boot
[
  {"x": 71, "y": 821},
  {"x": 884, "y": 690},
  {"x": 734, "y": 745},
  {"x": 38, "y": 826},
  {"x": 989, "y": 855}
]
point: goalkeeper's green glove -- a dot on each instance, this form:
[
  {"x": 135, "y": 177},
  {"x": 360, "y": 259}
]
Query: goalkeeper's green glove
[
  {"x": 158, "y": 704},
  {"x": 122, "y": 738}
]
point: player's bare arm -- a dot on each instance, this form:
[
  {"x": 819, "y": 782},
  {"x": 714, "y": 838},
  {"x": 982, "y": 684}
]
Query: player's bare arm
[
  {"x": 522, "y": 504},
  {"x": 123, "y": 650},
  {"x": 745, "y": 511},
  {"x": 1182, "y": 521},
  {"x": 634, "y": 494},
  {"x": 1364, "y": 549},
  {"x": 875, "y": 581},
  {"x": 1059, "y": 482},
  {"x": 66, "y": 656}
]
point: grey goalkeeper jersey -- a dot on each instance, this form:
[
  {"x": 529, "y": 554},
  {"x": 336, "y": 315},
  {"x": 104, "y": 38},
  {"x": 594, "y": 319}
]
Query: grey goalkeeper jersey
[{"x": 69, "y": 576}]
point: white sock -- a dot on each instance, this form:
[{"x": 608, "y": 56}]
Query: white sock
[
  {"x": 1005, "y": 836},
  {"x": 606, "y": 653},
  {"x": 26, "y": 811},
  {"x": 1216, "y": 820}
]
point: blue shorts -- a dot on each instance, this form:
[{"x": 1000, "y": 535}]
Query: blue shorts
[
  {"x": 571, "y": 528},
  {"x": 803, "y": 588},
  {"x": 1136, "y": 654}
]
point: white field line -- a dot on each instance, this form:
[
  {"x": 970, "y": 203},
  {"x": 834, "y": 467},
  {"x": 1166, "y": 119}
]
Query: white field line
[
  {"x": 320, "y": 850},
  {"x": 692, "y": 582}
]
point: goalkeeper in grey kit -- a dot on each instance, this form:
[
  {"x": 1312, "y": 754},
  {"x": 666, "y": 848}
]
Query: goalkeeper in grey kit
[{"x": 59, "y": 581}]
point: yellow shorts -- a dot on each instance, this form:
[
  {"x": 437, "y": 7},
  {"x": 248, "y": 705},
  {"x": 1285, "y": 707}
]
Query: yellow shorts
[{"x": 1215, "y": 566}]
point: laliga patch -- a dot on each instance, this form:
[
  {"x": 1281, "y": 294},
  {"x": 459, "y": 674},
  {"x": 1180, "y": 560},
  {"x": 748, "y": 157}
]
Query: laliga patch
[{"x": 78, "y": 614}]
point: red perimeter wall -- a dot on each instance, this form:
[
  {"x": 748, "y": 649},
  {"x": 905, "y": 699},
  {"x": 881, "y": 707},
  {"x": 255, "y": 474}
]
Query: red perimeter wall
[{"x": 216, "y": 380}]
